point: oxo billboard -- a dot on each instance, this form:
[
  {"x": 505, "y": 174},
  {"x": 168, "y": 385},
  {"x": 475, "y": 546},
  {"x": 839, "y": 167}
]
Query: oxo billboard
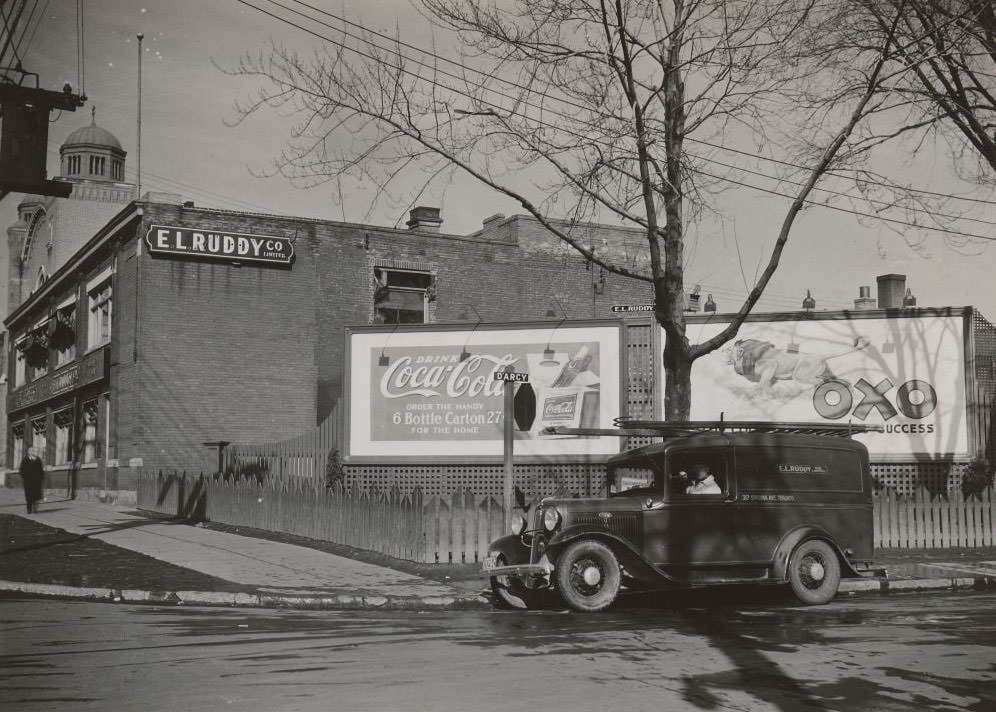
[{"x": 903, "y": 371}]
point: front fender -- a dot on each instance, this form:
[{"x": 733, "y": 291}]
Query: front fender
[
  {"x": 631, "y": 559},
  {"x": 511, "y": 547},
  {"x": 780, "y": 558}
]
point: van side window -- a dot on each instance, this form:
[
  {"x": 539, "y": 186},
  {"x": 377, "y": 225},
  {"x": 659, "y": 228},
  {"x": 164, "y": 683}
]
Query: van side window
[{"x": 692, "y": 473}]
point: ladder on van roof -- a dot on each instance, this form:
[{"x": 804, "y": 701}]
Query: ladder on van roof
[{"x": 633, "y": 427}]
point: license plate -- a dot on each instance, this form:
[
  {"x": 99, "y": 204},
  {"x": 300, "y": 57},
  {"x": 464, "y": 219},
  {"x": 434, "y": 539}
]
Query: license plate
[{"x": 490, "y": 562}]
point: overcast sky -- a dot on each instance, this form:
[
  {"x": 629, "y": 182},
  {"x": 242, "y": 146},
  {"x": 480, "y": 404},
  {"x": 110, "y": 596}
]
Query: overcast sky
[{"x": 188, "y": 149}]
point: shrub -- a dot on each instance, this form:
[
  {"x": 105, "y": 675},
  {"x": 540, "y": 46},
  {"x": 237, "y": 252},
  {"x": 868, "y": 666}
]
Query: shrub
[
  {"x": 335, "y": 477},
  {"x": 252, "y": 470},
  {"x": 977, "y": 477}
]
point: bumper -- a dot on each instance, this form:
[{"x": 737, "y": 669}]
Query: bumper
[{"x": 517, "y": 570}]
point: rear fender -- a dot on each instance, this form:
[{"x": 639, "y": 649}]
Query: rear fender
[
  {"x": 780, "y": 558},
  {"x": 631, "y": 559}
]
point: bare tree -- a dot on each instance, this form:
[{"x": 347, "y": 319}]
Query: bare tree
[
  {"x": 938, "y": 86},
  {"x": 948, "y": 48},
  {"x": 598, "y": 97}
]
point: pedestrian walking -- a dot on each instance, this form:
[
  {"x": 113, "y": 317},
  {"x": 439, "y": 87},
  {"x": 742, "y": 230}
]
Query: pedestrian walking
[{"x": 32, "y": 477}]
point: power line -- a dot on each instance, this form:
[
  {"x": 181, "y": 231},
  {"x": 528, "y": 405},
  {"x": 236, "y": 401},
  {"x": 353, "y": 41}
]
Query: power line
[
  {"x": 828, "y": 206},
  {"x": 838, "y": 193},
  {"x": 837, "y": 174},
  {"x": 518, "y": 100},
  {"x": 438, "y": 84}
]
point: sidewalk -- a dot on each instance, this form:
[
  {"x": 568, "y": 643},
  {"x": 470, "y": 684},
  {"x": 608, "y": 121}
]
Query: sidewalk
[
  {"x": 265, "y": 573},
  {"x": 157, "y": 558}
]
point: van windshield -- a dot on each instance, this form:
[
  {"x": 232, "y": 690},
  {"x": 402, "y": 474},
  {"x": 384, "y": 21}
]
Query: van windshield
[{"x": 630, "y": 480}]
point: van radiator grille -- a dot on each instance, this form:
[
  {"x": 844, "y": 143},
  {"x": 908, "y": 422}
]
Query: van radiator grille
[{"x": 625, "y": 524}]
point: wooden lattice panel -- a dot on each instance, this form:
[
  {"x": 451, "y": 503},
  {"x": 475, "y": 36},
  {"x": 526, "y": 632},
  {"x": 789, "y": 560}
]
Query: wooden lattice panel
[
  {"x": 908, "y": 477},
  {"x": 539, "y": 480}
]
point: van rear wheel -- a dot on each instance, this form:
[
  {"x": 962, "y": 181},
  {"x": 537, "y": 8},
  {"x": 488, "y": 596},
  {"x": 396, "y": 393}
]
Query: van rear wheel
[
  {"x": 588, "y": 576},
  {"x": 814, "y": 572}
]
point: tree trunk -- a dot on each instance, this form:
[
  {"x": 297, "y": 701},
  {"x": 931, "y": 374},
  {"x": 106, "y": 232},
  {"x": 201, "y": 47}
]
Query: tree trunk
[{"x": 678, "y": 382}]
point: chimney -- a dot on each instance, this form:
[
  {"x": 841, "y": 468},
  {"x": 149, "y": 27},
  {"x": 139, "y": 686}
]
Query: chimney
[
  {"x": 693, "y": 299},
  {"x": 891, "y": 290},
  {"x": 424, "y": 219},
  {"x": 493, "y": 220},
  {"x": 864, "y": 300}
]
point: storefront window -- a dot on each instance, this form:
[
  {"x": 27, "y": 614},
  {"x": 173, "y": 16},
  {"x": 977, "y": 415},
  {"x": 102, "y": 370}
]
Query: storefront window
[
  {"x": 400, "y": 296},
  {"x": 32, "y": 354},
  {"x": 90, "y": 431},
  {"x": 99, "y": 326},
  {"x": 63, "y": 436},
  {"x": 64, "y": 335},
  {"x": 20, "y": 366},
  {"x": 17, "y": 439},
  {"x": 39, "y": 437}
]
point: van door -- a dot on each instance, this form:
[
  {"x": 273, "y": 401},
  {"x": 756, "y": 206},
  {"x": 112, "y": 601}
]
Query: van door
[
  {"x": 783, "y": 488},
  {"x": 688, "y": 528}
]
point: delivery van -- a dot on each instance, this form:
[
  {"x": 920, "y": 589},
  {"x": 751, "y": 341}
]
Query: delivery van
[{"x": 712, "y": 503}]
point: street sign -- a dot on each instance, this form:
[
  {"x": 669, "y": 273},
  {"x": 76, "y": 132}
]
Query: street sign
[
  {"x": 512, "y": 376},
  {"x": 632, "y": 308}
]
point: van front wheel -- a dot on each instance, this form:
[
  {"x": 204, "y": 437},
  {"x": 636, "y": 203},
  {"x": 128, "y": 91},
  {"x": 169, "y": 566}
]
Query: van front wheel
[
  {"x": 512, "y": 592},
  {"x": 588, "y": 576},
  {"x": 814, "y": 572}
]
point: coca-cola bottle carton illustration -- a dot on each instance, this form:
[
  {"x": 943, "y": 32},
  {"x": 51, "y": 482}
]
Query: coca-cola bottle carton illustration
[{"x": 570, "y": 401}]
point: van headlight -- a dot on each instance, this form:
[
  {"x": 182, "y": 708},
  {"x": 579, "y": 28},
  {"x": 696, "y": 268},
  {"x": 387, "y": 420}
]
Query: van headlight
[
  {"x": 551, "y": 518},
  {"x": 518, "y": 524}
]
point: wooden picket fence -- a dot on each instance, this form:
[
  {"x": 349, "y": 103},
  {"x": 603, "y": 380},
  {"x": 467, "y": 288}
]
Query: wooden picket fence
[
  {"x": 306, "y": 456},
  {"x": 925, "y": 521},
  {"x": 457, "y": 528}
]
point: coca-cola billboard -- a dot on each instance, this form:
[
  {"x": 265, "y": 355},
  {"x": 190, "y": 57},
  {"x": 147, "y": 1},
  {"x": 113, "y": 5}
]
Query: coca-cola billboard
[{"x": 427, "y": 393}]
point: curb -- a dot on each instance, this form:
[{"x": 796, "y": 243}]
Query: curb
[
  {"x": 353, "y": 601},
  {"x": 885, "y": 585},
  {"x": 250, "y": 600}
]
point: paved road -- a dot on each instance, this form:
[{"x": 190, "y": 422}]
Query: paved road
[{"x": 901, "y": 652}]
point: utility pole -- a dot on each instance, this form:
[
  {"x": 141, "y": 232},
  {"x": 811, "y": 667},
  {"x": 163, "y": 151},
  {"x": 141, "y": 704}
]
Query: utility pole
[{"x": 138, "y": 177}]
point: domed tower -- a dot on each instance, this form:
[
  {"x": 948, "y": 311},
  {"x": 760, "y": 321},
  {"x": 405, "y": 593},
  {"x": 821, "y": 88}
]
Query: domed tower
[
  {"x": 92, "y": 153},
  {"x": 50, "y": 230}
]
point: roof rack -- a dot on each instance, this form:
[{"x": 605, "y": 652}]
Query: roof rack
[{"x": 631, "y": 427}]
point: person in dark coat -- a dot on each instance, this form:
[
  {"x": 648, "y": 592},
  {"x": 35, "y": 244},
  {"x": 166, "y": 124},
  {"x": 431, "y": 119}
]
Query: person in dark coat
[{"x": 32, "y": 477}]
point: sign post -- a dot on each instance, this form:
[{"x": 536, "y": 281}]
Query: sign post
[{"x": 510, "y": 378}]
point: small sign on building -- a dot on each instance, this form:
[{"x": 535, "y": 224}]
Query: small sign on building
[{"x": 205, "y": 243}]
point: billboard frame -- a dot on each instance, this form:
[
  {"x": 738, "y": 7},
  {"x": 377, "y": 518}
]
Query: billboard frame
[
  {"x": 548, "y": 329},
  {"x": 964, "y": 314}
]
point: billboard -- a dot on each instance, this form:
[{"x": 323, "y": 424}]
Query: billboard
[
  {"x": 433, "y": 393},
  {"x": 905, "y": 372}
]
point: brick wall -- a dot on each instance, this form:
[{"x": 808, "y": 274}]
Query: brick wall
[
  {"x": 224, "y": 352},
  {"x": 205, "y": 350}
]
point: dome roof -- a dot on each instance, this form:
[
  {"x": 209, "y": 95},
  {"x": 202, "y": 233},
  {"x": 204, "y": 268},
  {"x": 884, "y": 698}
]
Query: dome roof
[{"x": 92, "y": 136}]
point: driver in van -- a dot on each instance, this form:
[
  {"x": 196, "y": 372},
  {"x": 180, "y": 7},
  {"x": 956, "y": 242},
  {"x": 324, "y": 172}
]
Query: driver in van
[{"x": 704, "y": 483}]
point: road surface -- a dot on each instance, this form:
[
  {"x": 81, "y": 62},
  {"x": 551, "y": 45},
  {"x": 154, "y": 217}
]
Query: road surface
[{"x": 914, "y": 651}]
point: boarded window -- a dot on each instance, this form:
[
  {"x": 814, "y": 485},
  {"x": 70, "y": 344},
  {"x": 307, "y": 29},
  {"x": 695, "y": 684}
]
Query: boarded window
[{"x": 400, "y": 296}]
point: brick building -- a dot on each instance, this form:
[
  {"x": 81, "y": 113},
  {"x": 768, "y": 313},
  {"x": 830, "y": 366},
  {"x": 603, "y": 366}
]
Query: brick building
[
  {"x": 48, "y": 230},
  {"x": 172, "y": 326}
]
